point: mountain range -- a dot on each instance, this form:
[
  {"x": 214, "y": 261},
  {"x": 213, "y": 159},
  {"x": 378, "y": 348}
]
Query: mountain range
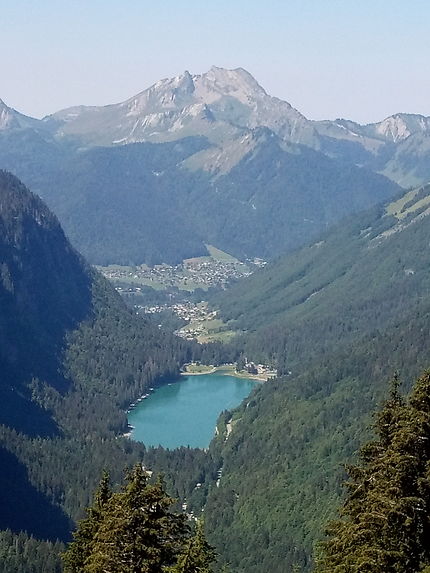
[
  {"x": 220, "y": 104},
  {"x": 337, "y": 318},
  {"x": 206, "y": 159}
]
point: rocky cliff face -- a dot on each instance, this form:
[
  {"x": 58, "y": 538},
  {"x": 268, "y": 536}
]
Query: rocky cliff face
[
  {"x": 11, "y": 119},
  {"x": 189, "y": 105}
]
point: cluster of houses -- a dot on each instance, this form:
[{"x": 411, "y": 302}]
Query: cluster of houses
[
  {"x": 186, "y": 310},
  {"x": 192, "y": 273},
  {"x": 258, "y": 369}
]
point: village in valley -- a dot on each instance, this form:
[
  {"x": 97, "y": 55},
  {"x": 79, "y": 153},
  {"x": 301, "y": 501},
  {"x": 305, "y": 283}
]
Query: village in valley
[
  {"x": 200, "y": 272},
  {"x": 198, "y": 318},
  {"x": 180, "y": 289}
]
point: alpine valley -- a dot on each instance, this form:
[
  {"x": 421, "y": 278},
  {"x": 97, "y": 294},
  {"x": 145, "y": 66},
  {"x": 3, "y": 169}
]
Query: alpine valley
[{"x": 340, "y": 211}]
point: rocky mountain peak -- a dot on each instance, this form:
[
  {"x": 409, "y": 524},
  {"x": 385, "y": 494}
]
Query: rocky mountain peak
[
  {"x": 401, "y": 125},
  {"x": 167, "y": 94},
  {"x": 184, "y": 90},
  {"x": 394, "y": 128},
  {"x": 237, "y": 83}
]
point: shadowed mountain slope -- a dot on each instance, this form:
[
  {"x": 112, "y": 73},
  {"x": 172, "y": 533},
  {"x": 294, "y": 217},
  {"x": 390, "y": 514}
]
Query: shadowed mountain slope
[
  {"x": 150, "y": 203},
  {"x": 72, "y": 358}
]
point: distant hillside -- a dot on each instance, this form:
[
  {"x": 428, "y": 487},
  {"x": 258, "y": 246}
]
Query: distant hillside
[
  {"x": 223, "y": 105},
  {"x": 397, "y": 146},
  {"x": 357, "y": 275},
  {"x": 149, "y": 203}
]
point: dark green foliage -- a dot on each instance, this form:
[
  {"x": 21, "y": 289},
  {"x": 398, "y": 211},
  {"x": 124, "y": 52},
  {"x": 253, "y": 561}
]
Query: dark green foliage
[
  {"x": 134, "y": 530},
  {"x": 20, "y": 553},
  {"x": 385, "y": 524},
  {"x": 182, "y": 469},
  {"x": 281, "y": 477},
  {"x": 45, "y": 290},
  {"x": 80, "y": 550},
  {"x": 110, "y": 370},
  {"x": 353, "y": 281},
  {"x": 23, "y": 507},
  {"x": 278, "y": 197},
  {"x": 86, "y": 190},
  {"x": 197, "y": 555},
  {"x": 72, "y": 358}
]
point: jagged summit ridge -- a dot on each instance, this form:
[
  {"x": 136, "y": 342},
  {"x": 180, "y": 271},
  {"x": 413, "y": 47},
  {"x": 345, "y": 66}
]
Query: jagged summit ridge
[
  {"x": 8, "y": 117},
  {"x": 186, "y": 89},
  {"x": 219, "y": 82},
  {"x": 225, "y": 106},
  {"x": 394, "y": 128},
  {"x": 188, "y": 105}
]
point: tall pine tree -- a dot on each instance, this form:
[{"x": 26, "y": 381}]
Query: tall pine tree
[
  {"x": 134, "y": 531},
  {"x": 197, "y": 555},
  {"x": 81, "y": 548},
  {"x": 385, "y": 521}
]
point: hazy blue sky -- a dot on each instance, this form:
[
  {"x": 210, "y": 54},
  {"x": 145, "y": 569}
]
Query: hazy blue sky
[{"x": 361, "y": 59}]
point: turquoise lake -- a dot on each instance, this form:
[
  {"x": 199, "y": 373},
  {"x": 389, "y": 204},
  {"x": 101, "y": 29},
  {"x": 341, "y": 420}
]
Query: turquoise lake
[{"x": 184, "y": 413}]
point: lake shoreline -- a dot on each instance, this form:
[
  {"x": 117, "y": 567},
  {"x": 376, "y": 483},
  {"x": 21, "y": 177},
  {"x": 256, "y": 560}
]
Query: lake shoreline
[
  {"x": 229, "y": 370},
  {"x": 185, "y": 414}
]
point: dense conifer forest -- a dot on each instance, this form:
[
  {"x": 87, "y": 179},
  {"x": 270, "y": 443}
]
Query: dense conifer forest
[
  {"x": 338, "y": 318},
  {"x": 385, "y": 520},
  {"x": 135, "y": 530},
  {"x": 143, "y": 203},
  {"x": 72, "y": 358},
  {"x": 335, "y": 351}
]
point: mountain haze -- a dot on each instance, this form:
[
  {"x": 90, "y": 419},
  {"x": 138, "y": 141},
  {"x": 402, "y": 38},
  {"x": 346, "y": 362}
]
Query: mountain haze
[
  {"x": 224, "y": 104},
  {"x": 12, "y": 119},
  {"x": 342, "y": 304},
  {"x": 193, "y": 160},
  {"x": 206, "y": 159}
]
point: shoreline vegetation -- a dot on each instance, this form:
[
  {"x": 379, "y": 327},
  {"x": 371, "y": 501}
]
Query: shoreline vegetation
[{"x": 195, "y": 369}]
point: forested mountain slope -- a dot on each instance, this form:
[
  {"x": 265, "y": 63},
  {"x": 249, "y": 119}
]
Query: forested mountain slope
[
  {"x": 368, "y": 318},
  {"x": 72, "y": 357},
  {"x": 151, "y": 203},
  {"x": 45, "y": 290},
  {"x": 358, "y": 277}
]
